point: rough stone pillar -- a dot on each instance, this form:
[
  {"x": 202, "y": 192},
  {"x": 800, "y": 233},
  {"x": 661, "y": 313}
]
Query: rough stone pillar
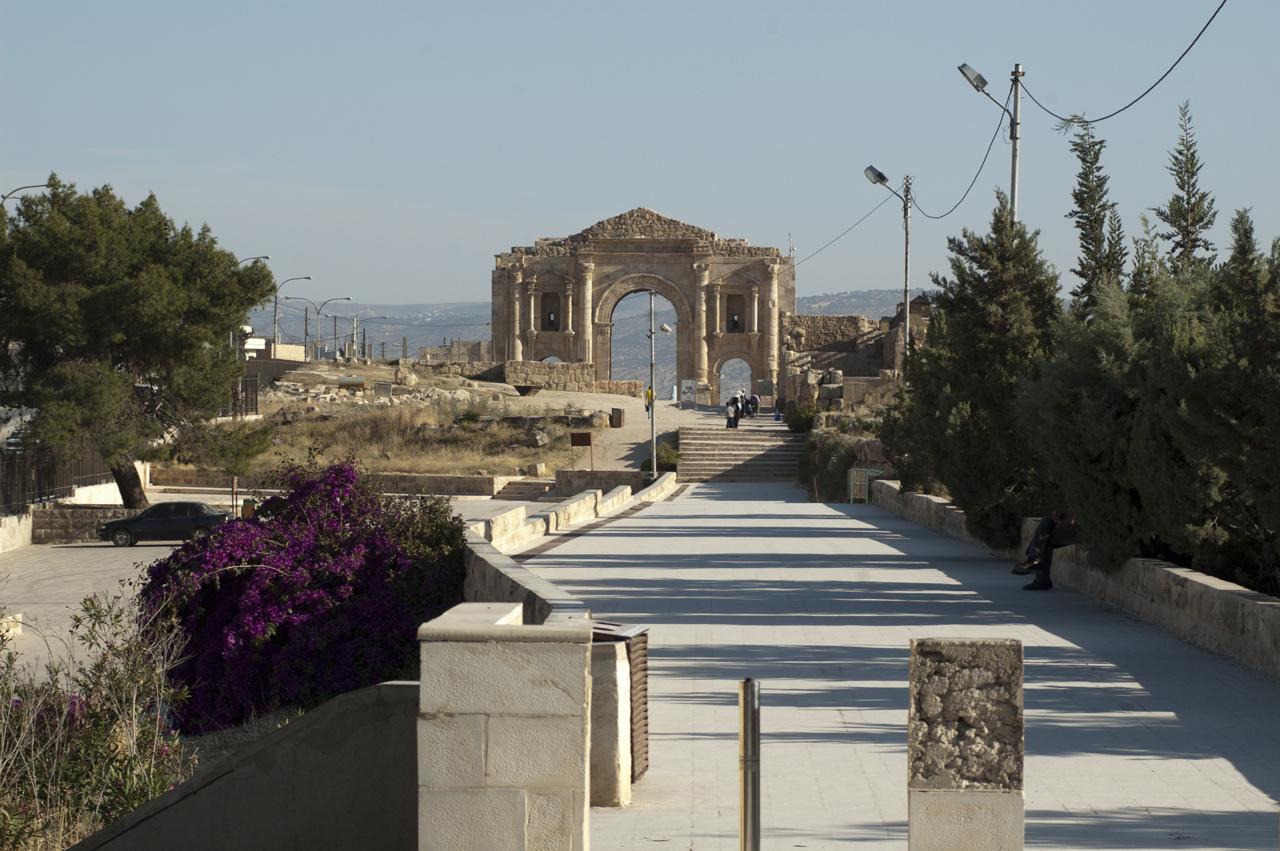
[
  {"x": 514, "y": 350},
  {"x": 771, "y": 326},
  {"x": 503, "y": 718},
  {"x": 703, "y": 272},
  {"x": 965, "y": 746},
  {"x": 587, "y": 325}
]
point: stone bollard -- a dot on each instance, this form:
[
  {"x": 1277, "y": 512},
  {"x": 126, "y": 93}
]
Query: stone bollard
[
  {"x": 965, "y": 746},
  {"x": 503, "y": 718}
]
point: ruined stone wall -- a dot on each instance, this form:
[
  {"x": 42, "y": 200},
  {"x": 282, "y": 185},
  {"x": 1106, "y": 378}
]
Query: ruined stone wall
[
  {"x": 461, "y": 351},
  {"x": 621, "y": 388},
  {"x": 809, "y": 332},
  {"x": 580, "y": 377},
  {"x": 476, "y": 371}
]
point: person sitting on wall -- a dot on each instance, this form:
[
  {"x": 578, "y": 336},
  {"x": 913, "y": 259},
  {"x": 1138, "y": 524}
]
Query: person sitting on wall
[{"x": 1055, "y": 530}]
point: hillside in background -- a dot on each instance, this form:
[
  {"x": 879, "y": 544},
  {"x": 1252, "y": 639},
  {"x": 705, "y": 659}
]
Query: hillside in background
[{"x": 434, "y": 324}]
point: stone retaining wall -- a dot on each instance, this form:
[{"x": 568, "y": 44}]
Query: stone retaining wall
[
  {"x": 15, "y": 531},
  {"x": 1212, "y": 613},
  {"x": 474, "y": 370},
  {"x": 576, "y": 481},
  {"x": 73, "y": 525}
]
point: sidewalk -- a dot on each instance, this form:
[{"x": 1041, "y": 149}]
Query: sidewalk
[{"x": 1134, "y": 738}]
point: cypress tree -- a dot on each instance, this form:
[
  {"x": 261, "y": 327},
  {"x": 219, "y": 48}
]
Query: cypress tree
[
  {"x": 1189, "y": 214},
  {"x": 990, "y": 328},
  {"x": 1102, "y": 252}
]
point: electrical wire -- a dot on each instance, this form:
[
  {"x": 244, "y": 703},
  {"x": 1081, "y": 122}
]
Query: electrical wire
[
  {"x": 985, "y": 157},
  {"x": 851, "y": 227},
  {"x": 1139, "y": 97}
]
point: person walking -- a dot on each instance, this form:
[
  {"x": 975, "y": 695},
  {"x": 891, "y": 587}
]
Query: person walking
[
  {"x": 1054, "y": 531},
  {"x": 648, "y": 401},
  {"x": 728, "y": 414}
]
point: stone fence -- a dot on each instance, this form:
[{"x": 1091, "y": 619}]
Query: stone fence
[
  {"x": 621, "y": 388},
  {"x": 1212, "y": 613}
]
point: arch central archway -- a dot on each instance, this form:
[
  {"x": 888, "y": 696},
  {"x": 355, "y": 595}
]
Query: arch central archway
[{"x": 613, "y": 294}]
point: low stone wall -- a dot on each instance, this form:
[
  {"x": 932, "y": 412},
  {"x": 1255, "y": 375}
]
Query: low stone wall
[
  {"x": 73, "y": 525},
  {"x": 162, "y": 477},
  {"x": 1212, "y": 613},
  {"x": 344, "y": 775},
  {"x": 621, "y": 388},
  {"x": 579, "y": 377},
  {"x": 388, "y": 482},
  {"x": 494, "y": 578},
  {"x": 576, "y": 481}
]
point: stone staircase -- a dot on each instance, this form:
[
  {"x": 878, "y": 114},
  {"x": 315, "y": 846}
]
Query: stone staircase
[
  {"x": 525, "y": 490},
  {"x": 756, "y": 451}
]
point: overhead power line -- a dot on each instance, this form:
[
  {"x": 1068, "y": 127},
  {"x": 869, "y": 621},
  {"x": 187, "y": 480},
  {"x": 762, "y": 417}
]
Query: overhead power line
[{"x": 1139, "y": 97}]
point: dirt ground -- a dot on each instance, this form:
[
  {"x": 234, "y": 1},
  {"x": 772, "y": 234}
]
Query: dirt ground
[{"x": 613, "y": 448}]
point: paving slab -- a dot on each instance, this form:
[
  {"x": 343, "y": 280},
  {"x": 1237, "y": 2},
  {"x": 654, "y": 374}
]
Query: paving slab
[{"x": 1135, "y": 738}]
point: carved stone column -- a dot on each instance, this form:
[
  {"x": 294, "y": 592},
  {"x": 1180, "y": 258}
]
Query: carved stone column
[
  {"x": 717, "y": 312},
  {"x": 703, "y": 271},
  {"x": 568, "y": 309},
  {"x": 587, "y": 271},
  {"x": 514, "y": 348},
  {"x": 754, "y": 313}
]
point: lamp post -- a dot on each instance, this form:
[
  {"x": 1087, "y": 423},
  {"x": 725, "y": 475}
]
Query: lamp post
[
  {"x": 275, "y": 314},
  {"x": 979, "y": 84},
  {"x": 653, "y": 395},
  {"x": 259, "y": 257},
  {"x": 318, "y": 310},
  {"x": 9, "y": 195},
  {"x": 876, "y": 176}
]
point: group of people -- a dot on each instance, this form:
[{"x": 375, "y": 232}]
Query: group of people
[{"x": 740, "y": 406}]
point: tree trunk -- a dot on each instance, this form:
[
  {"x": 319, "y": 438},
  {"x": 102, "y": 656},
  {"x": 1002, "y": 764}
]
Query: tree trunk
[{"x": 130, "y": 484}]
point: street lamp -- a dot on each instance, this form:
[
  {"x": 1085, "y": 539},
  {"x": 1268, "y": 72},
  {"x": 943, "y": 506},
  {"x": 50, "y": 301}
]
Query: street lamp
[
  {"x": 653, "y": 394},
  {"x": 275, "y": 314},
  {"x": 318, "y": 310},
  {"x": 979, "y": 84},
  {"x": 9, "y": 195},
  {"x": 247, "y": 259},
  {"x": 876, "y": 176}
]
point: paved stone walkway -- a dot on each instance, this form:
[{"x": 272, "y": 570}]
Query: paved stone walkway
[{"x": 1135, "y": 739}]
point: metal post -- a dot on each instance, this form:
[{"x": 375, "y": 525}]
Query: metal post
[
  {"x": 653, "y": 402},
  {"x": 906, "y": 276},
  {"x": 1015, "y": 133},
  {"x": 749, "y": 765}
]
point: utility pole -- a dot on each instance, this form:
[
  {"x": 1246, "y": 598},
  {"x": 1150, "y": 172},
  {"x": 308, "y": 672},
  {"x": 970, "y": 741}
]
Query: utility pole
[
  {"x": 906, "y": 275},
  {"x": 1015, "y": 134}
]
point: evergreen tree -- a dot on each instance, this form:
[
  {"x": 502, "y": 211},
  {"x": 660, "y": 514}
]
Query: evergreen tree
[
  {"x": 989, "y": 330},
  {"x": 115, "y": 324},
  {"x": 1102, "y": 252},
  {"x": 1148, "y": 264},
  {"x": 1189, "y": 214}
]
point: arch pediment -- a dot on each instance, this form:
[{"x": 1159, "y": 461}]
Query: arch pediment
[{"x": 643, "y": 223}]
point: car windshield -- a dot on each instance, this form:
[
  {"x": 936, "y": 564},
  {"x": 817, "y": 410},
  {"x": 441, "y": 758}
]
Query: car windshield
[{"x": 203, "y": 509}]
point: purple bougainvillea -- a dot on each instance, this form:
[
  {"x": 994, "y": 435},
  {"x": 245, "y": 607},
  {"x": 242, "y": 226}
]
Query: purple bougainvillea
[{"x": 318, "y": 594}]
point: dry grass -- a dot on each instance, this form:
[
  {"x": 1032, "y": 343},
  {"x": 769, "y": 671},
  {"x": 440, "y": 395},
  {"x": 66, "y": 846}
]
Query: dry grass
[{"x": 441, "y": 438}]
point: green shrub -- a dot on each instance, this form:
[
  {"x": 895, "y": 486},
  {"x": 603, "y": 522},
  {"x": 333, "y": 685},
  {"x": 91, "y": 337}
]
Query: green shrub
[{"x": 801, "y": 419}]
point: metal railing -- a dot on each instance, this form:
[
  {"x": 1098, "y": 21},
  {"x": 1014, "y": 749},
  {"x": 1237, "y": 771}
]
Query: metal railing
[{"x": 29, "y": 477}]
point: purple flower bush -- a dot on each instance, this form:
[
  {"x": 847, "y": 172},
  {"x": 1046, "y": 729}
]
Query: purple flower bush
[{"x": 320, "y": 593}]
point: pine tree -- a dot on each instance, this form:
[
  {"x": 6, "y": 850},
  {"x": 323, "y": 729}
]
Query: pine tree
[
  {"x": 1102, "y": 251},
  {"x": 115, "y": 324},
  {"x": 1189, "y": 213},
  {"x": 989, "y": 329}
]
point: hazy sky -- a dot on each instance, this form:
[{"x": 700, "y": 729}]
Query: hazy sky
[{"x": 391, "y": 149}]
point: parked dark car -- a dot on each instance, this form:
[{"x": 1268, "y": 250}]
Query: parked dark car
[{"x": 165, "y": 521}]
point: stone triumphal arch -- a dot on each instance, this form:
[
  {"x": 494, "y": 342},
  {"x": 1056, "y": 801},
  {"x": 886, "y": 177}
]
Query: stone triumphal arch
[{"x": 556, "y": 298}]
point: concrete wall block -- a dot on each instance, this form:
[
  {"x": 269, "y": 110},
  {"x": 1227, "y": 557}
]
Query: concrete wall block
[
  {"x": 451, "y": 751},
  {"x": 503, "y": 678},
  {"x": 546, "y": 753},
  {"x": 610, "y": 725},
  {"x": 965, "y": 821},
  {"x": 471, "y": 820}
]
